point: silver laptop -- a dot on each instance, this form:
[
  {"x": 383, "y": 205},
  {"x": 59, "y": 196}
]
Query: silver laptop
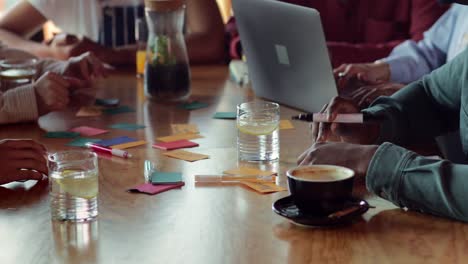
[{"x": 286, "y": 53}]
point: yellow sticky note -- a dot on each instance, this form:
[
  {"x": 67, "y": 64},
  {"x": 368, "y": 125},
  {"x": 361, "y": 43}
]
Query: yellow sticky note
[
  {"x": 129, "y": 145},
  {"x": 246, "y": 171},
  {"x": 186, "y": 136},
  {"x": 184, "y": 129},
  {"x": 285, "y": 124},
  {"x": 88, "y": 111},
  {"x": 185, "y": 155},
  {"x": 264, "y": 187}
]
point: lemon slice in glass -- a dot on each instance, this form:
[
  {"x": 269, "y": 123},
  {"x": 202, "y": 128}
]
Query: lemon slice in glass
[
  {"x": 85, "y": 187},
  {"x": 257, "y": 129}
]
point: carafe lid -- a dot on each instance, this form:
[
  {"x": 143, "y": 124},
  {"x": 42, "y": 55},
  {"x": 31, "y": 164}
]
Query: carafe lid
[{"x": 164, "y": 5}]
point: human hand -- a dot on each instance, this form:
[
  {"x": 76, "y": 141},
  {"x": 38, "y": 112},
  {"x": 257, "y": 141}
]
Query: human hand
[
  {"x": 365, "y": 133},
  {"x": 84, "y": 67},
  {"x": 353, "y": 156},
  {"x": 65, "y": 46},
  {"x": 368, "y": 73},
  {"x": 365, "y": 95},
  {"x": 52, "y": 92},
  {"x": 22, "y": 160}
]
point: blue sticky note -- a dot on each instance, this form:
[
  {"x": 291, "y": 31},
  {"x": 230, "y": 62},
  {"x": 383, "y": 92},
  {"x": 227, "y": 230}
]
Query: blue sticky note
[
  {"x": 62, "y": 134},
  {"x": 166, "y": 177},
  {"x": 127, "y": 126},
  {"x": 115, "y": 141},
  {"x": 81, "y": 142},
  {"x": 225, "y": 115},
  {"x": 194, "y": 105},
  {"x": 118, "y": 110}
]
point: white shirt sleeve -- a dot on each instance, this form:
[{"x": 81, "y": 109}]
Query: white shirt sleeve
[{"x": 78, "y": 17}]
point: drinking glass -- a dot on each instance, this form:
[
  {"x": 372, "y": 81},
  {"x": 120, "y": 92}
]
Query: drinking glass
[
  {"x": 257, "y": 131},
  {"x": 73, "y": 182},
  {"x": 141, "y": 37},
  {"x": 16, "y": 72}
]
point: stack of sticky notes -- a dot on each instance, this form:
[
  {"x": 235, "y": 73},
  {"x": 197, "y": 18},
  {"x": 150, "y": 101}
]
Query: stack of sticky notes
[
  {"x": 160, "y": 182},
  {"x": 181, "y": 139}
]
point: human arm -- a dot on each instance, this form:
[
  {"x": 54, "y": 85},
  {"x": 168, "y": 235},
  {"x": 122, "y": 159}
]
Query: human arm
[
  {"x": 411, "y": 60},
  {"x": 403, "y": 177},
  {"x": 205, "y": 36}
]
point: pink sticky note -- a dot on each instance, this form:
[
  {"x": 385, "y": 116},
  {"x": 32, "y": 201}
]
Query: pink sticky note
[
  {"x": 149, "y": 188},
  {"x": 88, "y": 131},
  {"x": 175, "y": 145}
]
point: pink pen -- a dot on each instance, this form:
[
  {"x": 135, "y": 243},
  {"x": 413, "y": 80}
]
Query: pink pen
[{"x": 114, "y": 152}]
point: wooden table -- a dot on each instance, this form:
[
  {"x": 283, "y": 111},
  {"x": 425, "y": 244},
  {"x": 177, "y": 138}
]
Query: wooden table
[{"x": 201, "y": 224}]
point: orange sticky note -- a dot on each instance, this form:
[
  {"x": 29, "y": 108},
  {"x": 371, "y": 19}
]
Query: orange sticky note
[
  {"x": 185, "y": 155},
  {"x": 246, "y": 171},
  {"x": 184, "y": 129},
  {"x": 264, "y": 187},
  {"x": 186, "y": 136},
  {"x": 129, "y": 145},
  {"x": 285, "y": 124}
]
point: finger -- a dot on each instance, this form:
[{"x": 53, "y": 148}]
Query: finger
[
  {"x": 302, "y": 156},
  {"x": 323, "y": 132},
  {"x": 22, "y": 175},
  {"x": 57, "y": 79},
  {"x": 96, "y": 66},
  {"x": 359, "y": 92},
  {"x": 364, "y": 99},
  {"x": 84, "y": 68},
  {"x": 315, "y": 125},
  {"x": 75, "y": 83},
  {"x": 30, "y": 164},
  {"x": 26, "y": 154},
  {"x": 340, "y": 69},
  {"x": 24, "y": 144}
]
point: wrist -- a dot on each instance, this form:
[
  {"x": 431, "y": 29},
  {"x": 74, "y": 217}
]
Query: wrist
[{"x": 383, "y": 69}]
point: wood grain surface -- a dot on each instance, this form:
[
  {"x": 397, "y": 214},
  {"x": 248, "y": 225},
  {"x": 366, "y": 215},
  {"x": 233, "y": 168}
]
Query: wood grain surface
[{"x": 201, "y": 223}]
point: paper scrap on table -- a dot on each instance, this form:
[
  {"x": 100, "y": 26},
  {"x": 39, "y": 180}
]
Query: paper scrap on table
[
  {"x": 247, "y": 171},
  {"x": 129, "y": 145},
  {"x": 175, "y": 145},
  {"x": 115, "y": 141},
  {"x": 166, "y": 177},
  {"x": 62, "y": 134},
  {"x": 184, "y": 129},
  {"x": 264, "y": 187},
  {"x": 186, "y": 136},
  {"x": 118, "y": 110},
  {"x": 81, "y": 142},
  {"x": 127, "y": 126},
  {"x": 194, "y": 105},
  {"x": 109, "y": 102},
  {"x": 149, "y": 188},
  {"x": 285, "y": 124},
  {"x": 186, "y": 155},
  {"x": 89, "y": 111},
  {"x": 225, "y": 115},
  {"x": 89, "y": 131}
]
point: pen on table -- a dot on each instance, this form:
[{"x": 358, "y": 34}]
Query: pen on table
[
  {"x": 113, "y": 152},
  {"x": 231, "y": 178},
  {"x": 357, "y": 118}
]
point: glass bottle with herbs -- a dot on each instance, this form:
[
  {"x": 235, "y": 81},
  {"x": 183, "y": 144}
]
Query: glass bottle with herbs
[{"x": 167, "y": 72}]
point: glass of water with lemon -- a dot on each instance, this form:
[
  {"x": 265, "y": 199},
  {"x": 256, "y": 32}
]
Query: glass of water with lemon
[
  {"x": 73, "y": 182},
  {"x": 258, "y": 126}
]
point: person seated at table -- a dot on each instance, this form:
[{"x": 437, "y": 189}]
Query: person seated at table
[
  {"x": 364, "y": 30},
  {"x": 22, "y": 159},
  {"x": 429, "y": 107},
  {"x": 107, "y": 28},
  {"x": 409, "y": 61},
  {"x": 51, "y": 91}
]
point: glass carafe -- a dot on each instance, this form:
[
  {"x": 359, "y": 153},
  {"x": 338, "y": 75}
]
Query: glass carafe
[{"x": 167, "y": 72}]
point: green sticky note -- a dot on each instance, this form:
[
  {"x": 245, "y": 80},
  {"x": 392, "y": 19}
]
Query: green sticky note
[
  {"x": 194, "y": 105},
  {"x": 127, "y": 126},
  {"x": 81, "y": 142},
  {"x": 166, "y": 177},
  {"x": 225, "y": 115},
  {"x": 62, "y": 134},
  {"x": 118, "y": 110}
]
